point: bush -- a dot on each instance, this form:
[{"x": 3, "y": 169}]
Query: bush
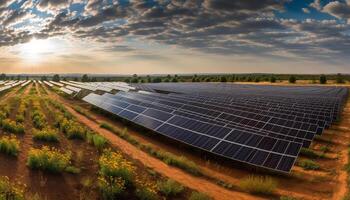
[
  {"x": 12, "y": 127},
  {"x": 9, "y": 145},
  {"x": 146, "y": 193},
  {"x": 323, "y": 79},
  {"x": 97, "y": 140},
  {"x": 10, "y": 190},
  {"x": 199, "y": 196},
  {"x": 273, "y": 79},
  {"x": 170, "y": 187},
  {"x": 258, "y": 184},
  {"x": 47, "y": 159},
  {"x": 38, "y": 119},
  {"x": 115, "y": 173},
  {"x": 48, "y": 135},
  {"x": 292, "y": 79},
  {"x": 308, "y": 164},
  {"x": 310, "y": 153}
]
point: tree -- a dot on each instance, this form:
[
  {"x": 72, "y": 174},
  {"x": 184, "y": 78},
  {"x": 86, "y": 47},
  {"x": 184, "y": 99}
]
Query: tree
[
  {"x": 75, "y": 79},
  {"x": 174, "y": 80},
  {"x": 257, "y": 79},
  {"x": 43, "y": 78},
  {"x": 3, "y": 76},
  {"x": 273, "y": 79},
  {"x": 323, "y": 79},
  {"x": 149, "y": 79},
  {"x": 27, "y": 78},
  {"x": 233, "y": 78},
  {"x": 18, "y": 77},
  {"x": 339, "y": 78},
  {"x": 292, "y": 79},
  {"x": 56, "y": 78},
  {"x": 223, "y": 79},
  {"x": 85, "y": 78},
  {"x": 157, "y": 80}
]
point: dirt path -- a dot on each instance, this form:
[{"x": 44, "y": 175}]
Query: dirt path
[
  {"x": 341, "y": 189},
  {"x": 195, "y": 183}
]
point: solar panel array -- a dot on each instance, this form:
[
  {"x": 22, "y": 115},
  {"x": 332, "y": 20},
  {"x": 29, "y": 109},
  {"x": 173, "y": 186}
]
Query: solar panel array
[{"x": 264, "y": 126}]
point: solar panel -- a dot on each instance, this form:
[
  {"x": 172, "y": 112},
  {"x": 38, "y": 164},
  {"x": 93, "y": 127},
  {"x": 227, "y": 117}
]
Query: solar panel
[{"x": 263, "y": 126}]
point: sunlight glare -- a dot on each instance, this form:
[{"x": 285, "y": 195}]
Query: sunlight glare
[{"x": 36, "y": 50}]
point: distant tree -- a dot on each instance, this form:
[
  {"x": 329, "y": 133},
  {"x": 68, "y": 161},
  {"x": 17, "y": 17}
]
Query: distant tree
[
  {"x": 223, "y": 79},
  {"x": 75, "y": 79},
  {"x": 208, "y": 79},
  {"x": 174, "y": 80},
  {"x": 273, "y": 79},
  {"x": 157, "y": 80},
  {"x": 85, "y": 78},
  {"x": 134, "y": 80},
  {"x": 323, "y": 79},
  {"x": 93, "y": 79},
  {"x": 3, "y": 76},
  {"x": 127, "y": 80},
  {"x": 64, "y": 79},
  {"x": 43, "y": 78},
  {"x": 168, "y": 77},
  {"x": 257, "y": 79},
  {"x": 339, "y": 78},
  {"x": 134, "y": 75},
  {"x": 149, "y": 79},
  {"x": 292, "y": 79},
  {"x": 142, "y": 80},
  {"x": 233, "y": 78},
  {"x": 56, "y": 78},
  {"x": 18, "y": 77},
  {"x": 27, "y": 78},
  {"x": 166, "y": 80},
  {"x": 250, "y": 79}
]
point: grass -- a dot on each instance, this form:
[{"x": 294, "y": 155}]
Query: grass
[
  {"x": 258, "y": 184},
  {"x": 97, "y": 140},
  {"x": 170, "y": 187},
  {"x": 311, "y": 153},
  {"x": 48, "y": 135},
  {"x": 287, "y": 198},
  {"x": 12, "y": 127},
  {"x": 199, "y": 196},
  {"x": 308, "y": 164},
  {"x": 167, "y": 157},
  {"x": 84, "y": 112},
  {"x": 9, "y": 145},
  {"x": 46, "y": 159},
  {"x": 10, "y": 190}
]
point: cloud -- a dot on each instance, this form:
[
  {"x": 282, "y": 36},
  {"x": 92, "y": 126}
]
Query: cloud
[
  {"x": 337, "y": 9},
  {"x": 306, "y": 10}
]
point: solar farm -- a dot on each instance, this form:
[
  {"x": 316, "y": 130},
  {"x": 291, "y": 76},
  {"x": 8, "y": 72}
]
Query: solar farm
[{"x": 212, "y": 135}]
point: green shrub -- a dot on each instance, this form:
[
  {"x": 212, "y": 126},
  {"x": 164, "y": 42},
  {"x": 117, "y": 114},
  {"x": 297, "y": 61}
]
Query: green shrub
[
  {"x": 72, "y": 170},
  {"x": 308, "y": 164},
  {"x": 170, "y": 187},
  {"x": 10, "y": 190},
  {"x": 287, "y": 198},
  {"x": 145, "y": 193},
  {"x": 325, "y": 149},
  {"x": 258, "y": 184},
  {"x": 9, "y": 145},
  {"x": 97, "y": 140},
  {"x": 199, "y": 196},
  {"x": 310, "y": 153},
  {"x": 115, "y": 174},
  {"x": 19, "y": 118},
  {"x": 12, "y": 127},
  {"x": 48, "y": 135},
  {"x": 47, "y": 159},
  {"x": 75, "y": 131}
]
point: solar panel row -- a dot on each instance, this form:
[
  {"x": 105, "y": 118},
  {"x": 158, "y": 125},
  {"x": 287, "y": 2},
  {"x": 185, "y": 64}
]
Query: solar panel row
[{"x": 259, "y": 129}]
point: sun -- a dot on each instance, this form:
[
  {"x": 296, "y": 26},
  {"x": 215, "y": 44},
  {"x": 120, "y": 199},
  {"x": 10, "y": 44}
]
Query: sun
[{"x": 36, "y": 50}]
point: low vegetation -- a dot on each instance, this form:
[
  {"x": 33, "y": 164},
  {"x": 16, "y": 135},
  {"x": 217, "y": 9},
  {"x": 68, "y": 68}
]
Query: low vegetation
[
  {"x": 199, "y": 196},
  {"x": 167, "y": 157},
  {"x": 48, "y": 159},
  {"x": 48, "y": 135},
  {"x": 170, "y": 187},
  {"x": 116, "y": 173},
  {"x": 258, "y": 184},
  {"x": 308, "y": 164},
  {"x": 9, "y": 145},
  {"x": 97, "y": 140},
  {"x": 11, "y": 126},
  {"x": 311, "y": 153},
  {"x": 10, "y": 190}
]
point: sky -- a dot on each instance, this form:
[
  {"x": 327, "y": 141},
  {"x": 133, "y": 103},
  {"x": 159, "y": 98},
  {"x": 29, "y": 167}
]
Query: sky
[{"x": 174, "y": 36}]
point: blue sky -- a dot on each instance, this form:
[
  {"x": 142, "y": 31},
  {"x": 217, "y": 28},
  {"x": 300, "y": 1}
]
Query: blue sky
[{"x": 178, "y": 36}]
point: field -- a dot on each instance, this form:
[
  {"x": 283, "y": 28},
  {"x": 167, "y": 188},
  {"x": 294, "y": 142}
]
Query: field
[{"x": 49, "y": 137}]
